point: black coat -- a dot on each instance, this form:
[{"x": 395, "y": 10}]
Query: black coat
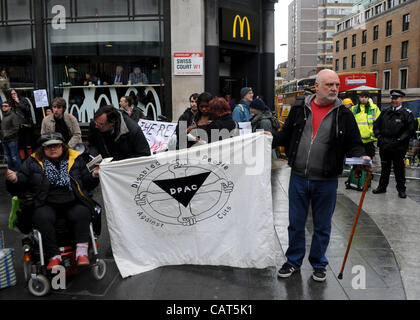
[
  {"x": 127, "y": 141},
  {"x": 394, "y": 129},
  {"x": 224, "y": 122},
  {"x": 344, "y": 141},
  {"x": 31, "y": 180}
]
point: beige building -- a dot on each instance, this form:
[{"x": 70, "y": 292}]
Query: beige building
[{"x": 382, "y": 37}]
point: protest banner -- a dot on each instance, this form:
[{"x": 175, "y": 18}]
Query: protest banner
[
  {"x": 188, "y": 207},
  {"x": 157, "y": 133}
]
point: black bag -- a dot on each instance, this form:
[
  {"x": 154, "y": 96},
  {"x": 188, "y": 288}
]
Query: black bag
[{"x": 24, "y": 215}]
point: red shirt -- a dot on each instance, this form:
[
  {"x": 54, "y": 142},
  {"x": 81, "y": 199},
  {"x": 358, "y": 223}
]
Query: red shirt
[{"x": 318, "y": 113}]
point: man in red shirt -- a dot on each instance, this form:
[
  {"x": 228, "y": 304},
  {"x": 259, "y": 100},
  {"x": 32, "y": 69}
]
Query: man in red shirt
[{"x": 318, "y": 134}]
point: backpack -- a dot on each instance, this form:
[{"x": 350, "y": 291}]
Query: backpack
[{"x": 275, "y": 124}]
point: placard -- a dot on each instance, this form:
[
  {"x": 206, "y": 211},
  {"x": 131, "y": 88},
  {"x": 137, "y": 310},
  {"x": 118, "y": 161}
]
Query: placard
[{"x": 41, "y": 98}]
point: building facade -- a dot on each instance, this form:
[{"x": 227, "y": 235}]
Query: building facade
[
  {"x": 382, "y": 37},
  {"x": 311, "y": 28},
  {"x": 73, "y": 48}
]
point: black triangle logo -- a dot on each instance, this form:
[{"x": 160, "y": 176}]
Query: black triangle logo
[{"x": 183, "y": 189}]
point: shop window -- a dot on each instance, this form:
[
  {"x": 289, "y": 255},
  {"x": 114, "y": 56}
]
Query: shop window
[
  {"x": 18, "y": 10},
  {"x": 100, "y": 8}
]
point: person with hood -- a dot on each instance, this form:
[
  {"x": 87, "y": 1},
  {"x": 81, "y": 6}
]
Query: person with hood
[
  {"x": 241, "y": 112},
  {"x": 262, "y": 116}
]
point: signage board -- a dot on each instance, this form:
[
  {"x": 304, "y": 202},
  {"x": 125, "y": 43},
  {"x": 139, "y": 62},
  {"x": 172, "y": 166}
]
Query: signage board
[
  {"x": 188, "y": 63},
  {"x": 240, "y": 27}
]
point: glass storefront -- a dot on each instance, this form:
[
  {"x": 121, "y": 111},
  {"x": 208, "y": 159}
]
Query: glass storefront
[{"x": 95, "y": 51}]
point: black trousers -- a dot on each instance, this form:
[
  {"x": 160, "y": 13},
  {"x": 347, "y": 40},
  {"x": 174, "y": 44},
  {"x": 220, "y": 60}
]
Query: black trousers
[
  {"x": 370, "y": 149},
  {"x": 396, "y": 159},
  {"x": 45, "y": 217}
]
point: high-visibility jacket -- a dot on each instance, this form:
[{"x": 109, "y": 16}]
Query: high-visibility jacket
[{"x": 365, "y": 116}]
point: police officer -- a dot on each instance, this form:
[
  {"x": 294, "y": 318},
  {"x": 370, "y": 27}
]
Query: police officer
[
  {"x": 366, "y": 113},
  {"x": 393, "y": 129}
]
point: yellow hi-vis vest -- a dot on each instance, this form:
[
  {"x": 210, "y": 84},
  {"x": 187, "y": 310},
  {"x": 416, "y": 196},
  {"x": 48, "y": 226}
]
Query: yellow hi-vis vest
[{"x": 365, "y": 120}]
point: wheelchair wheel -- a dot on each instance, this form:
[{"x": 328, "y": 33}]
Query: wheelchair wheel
[
  {"x": 41, "y": 287},
  {"x": 99, "y": 270}
]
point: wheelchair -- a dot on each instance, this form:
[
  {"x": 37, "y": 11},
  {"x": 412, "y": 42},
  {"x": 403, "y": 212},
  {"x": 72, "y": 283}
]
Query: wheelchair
[{"x": 39, "y": 280}]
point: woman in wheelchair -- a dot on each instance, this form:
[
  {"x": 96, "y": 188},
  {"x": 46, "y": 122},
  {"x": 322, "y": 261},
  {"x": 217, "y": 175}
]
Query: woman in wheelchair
[{"x": 59, "y": 180}]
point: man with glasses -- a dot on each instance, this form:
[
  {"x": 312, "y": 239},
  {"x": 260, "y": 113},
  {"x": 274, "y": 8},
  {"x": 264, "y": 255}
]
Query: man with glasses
[
  {"x": 62, "y": 122},
  {"x": 394, "y": 128},
  {"x": 114, "y": 134}
]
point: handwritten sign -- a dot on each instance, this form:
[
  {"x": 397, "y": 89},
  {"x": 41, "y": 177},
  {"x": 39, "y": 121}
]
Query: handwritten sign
[
  {"x": 157, "y": 133},
  {"x": 41, "y": 98}
]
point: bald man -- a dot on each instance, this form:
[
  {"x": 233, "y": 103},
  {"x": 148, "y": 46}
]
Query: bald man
[{"x": 317, "y": 136}]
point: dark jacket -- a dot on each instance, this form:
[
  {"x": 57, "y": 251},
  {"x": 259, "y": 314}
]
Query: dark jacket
[
  {"x": 344, "y": 137},
  {"x": 9, "y": 127},
  {"x": 394, "y": 129},
  {"x": 127, "y": 140},
  {"x": 23, "y": 110},
  {"x": 188, "y": 116},
  {"x": 225, "y": 123},
  {"x": 262, "y": 121},
  {"x": 31, "y": 179}
]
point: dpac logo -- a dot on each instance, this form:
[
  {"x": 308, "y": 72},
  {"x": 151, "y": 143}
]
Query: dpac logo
[
  {"x": 241, "y": 26},
  {"x": 182, "y": 194}
]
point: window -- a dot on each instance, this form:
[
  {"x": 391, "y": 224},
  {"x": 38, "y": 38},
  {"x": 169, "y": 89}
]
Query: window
[
  {"x": 353, "y": 61},
  {"x": 337, "y": 46},
  {"x": 387, "y": 53},
  {"x": 345, "y": 44},
  {"x": 375, "y": 56},
  {"x": 344, "y": 63},
  {"x": 404, "y": 50},
  {"x": 364, "y": 36},
  {"x": 353, "y": 40},
  {"x": 406, "y": 22},
  {"x": 389, "y": 28},
  {"x": 337, "y": 62},
  {"x": 375, "y": 32},
  {"x": 387, "y": 80},
  {"x": 363, "y": 61},
  {"x": 403, "y": 78}
]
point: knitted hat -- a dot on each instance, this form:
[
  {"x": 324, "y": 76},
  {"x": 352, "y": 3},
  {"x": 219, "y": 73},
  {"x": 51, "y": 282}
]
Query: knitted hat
[
  {"x": 257, "y": 104},
  {"x": 244, "y": 91}
]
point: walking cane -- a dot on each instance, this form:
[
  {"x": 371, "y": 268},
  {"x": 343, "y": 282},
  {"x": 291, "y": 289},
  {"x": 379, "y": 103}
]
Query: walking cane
[{"x": 365, "y": 187}]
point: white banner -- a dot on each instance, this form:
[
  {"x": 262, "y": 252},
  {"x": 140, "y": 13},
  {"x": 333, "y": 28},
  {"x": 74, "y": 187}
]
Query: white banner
[
  {"x": 208, "y": 205},
  {"x": 157, "y": 133}
]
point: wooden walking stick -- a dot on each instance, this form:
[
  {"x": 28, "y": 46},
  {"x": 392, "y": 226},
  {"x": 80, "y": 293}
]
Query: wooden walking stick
[{"x": 365, "y": 187}]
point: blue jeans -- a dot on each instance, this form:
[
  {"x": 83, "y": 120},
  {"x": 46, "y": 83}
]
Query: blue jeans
[
  {"x": 322, "y": 196},
  {"x": 11, "y": 154}
]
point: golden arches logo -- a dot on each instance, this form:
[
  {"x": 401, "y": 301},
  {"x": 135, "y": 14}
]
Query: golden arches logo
[{"x": 241, "y": 26}]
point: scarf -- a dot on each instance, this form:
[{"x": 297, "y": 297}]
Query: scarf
[{"x": 57, "y": 176}]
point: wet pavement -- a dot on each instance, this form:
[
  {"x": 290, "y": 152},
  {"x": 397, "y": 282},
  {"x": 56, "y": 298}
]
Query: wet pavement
[{"x": 380, "y": 266}]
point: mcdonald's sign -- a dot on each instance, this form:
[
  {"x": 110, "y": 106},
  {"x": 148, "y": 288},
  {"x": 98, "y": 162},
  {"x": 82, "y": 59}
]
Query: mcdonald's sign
[{"x": 240, "y": 27}]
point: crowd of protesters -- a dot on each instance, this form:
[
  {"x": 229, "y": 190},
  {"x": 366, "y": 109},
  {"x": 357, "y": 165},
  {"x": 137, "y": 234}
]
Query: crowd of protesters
[{"x": 320, "y": 131}]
